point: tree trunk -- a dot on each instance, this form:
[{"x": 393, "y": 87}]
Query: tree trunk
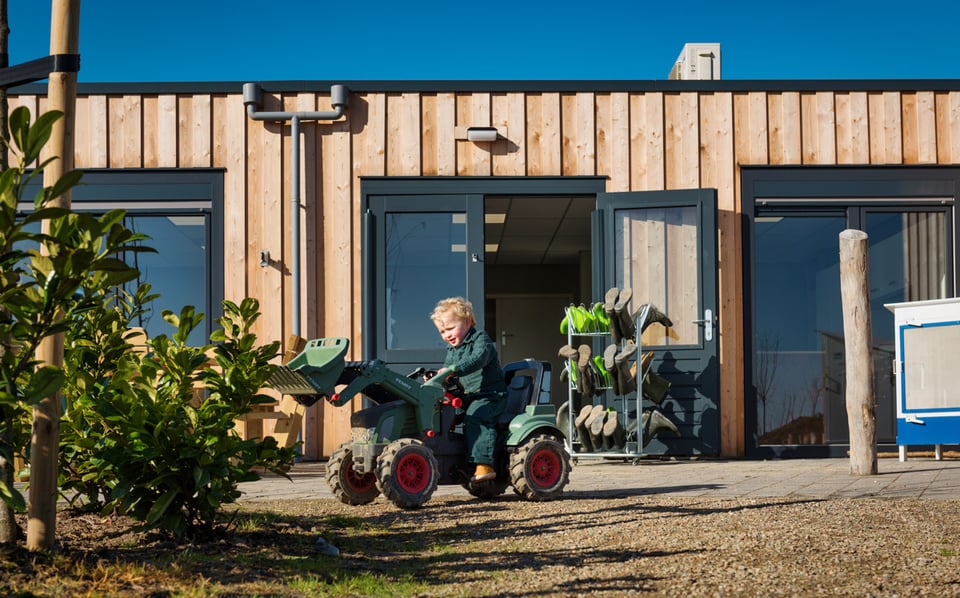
[
  {"x": 857, "y": 333},
  {"x": 62, "y": 90}
]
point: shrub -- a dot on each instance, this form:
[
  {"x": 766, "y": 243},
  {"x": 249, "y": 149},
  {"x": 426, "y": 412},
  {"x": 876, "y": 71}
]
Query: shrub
[{"x": 144, "y": 443}]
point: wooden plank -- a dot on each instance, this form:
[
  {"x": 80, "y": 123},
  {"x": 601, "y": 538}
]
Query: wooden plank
[
  {"x": 948, "y": 127},
  {"x": 818, "y": 128},
  {"x": 613, "y": 140},
  {"x": 91, "y": 145},
  {"x": 919, "y": 128},
  {"x": 543, "y": 135},
  {"x": 428, "y": 135},
  {"x": 885, "y": 128},
  {"x": 578, "y": 127},
  {"x": 509, "y": 155},
  {"x": 403, "y": 134},
  {"x": 124, "y": 131},
  {"x": 718, "y": 134},
  {"x": 853, "y": 132},
  {"x": 474, "y": 159},
  {"x": 785, "y": 133},
  {"x": 682, "y": 140},
  {"x": 194, "y": 128},
  {"x": 230, "y": 122},
  {"x": 341, "y": 239},
  {"x": 647, "y": 143}
]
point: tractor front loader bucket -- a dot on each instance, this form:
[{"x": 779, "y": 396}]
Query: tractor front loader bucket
[{"x": 313, "y": 374}]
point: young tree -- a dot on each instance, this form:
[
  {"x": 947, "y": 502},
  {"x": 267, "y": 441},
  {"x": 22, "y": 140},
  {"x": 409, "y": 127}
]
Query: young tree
[{"x": 46, "y": 279}]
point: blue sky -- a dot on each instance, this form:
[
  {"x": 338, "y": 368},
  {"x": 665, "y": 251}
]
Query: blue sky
[{"x": 241, "y": 40}]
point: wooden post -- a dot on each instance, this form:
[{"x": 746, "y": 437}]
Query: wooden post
[
  {"x": 858, "y": 340},
  {"x": 62, "y": 91}
]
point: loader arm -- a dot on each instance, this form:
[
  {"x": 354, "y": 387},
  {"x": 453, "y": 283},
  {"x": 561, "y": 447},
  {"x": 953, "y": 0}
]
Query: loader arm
[{"x": 424, "y": 397}]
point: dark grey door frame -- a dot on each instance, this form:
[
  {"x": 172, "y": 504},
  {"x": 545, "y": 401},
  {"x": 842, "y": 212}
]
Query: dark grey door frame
[
  {"x": 371, "y": 187},
  {"x": 852, "y": 189}
]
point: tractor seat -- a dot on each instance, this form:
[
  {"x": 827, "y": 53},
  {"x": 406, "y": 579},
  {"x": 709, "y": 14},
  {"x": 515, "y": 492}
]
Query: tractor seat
[{"x": 519, "y": 392}]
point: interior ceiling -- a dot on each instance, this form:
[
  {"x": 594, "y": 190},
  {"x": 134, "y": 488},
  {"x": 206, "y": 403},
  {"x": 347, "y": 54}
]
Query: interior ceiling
[{"x": 537, "y": 230}]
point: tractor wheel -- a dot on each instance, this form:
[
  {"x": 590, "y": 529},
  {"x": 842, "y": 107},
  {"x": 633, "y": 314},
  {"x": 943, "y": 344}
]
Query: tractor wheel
[
  {"x": 540, "y": 468},
  {"x": 407, "y": 473},
  {"x": 345, "y": 483}
]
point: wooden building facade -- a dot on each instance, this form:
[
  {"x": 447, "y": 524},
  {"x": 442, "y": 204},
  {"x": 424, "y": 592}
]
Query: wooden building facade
[{"x": 770, "y": 152}]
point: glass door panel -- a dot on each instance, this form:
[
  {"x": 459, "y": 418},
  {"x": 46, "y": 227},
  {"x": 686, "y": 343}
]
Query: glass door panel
[
  {"x": 799, "y": 356},
  {"x": 907, "y": 262},
  {"x": 424, "y": 248},
  {"x": 657, "y": 256},
  {"x": 419, "y": 246},
  {"x": 797, "y": 361}
]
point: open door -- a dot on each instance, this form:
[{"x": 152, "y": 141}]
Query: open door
[
  {"x": 424, "y": 248},
  {"x": 663, "y": 246}
]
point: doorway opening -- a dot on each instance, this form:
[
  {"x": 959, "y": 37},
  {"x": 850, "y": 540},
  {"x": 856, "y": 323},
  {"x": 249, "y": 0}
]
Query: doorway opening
[{"x": 537, "y": 261}]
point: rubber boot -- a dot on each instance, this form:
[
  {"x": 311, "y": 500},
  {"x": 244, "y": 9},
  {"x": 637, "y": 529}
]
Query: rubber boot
[
  {"x": 613, "y": 433},
  {"x": 596, "y": 428},
  {"x": 655, "y": 387},
  {"x": 653, "y": 423},
  {"x": 563, "y": 418},
  {"x": 603, "y": 320},
  {"x": 621, "y": 308},
  {"x": 609, "y": 362},
  {"x": 609, "y": 301},
  {"x": 621, "y": 360},
  {"x": 583, "y": 432},
  {"x": 603, "y": 374},
  {"x": 653, "y": 315},
  {"x": 584, "y": 380}
]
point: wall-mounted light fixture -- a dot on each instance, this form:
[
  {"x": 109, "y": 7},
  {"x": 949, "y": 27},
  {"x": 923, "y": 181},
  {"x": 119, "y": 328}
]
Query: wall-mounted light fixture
[
  {"x": 264, "y": 258},
  {"x": 485, "y": 134}
]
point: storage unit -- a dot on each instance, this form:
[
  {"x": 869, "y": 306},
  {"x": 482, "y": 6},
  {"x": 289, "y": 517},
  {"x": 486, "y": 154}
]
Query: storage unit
[
  {"x": 627, "y": 407},
  {"x": 928, "y": 399}
]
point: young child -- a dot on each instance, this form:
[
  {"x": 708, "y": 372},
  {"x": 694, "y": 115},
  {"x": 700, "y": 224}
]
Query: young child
[{"x": 473, "y": 357}]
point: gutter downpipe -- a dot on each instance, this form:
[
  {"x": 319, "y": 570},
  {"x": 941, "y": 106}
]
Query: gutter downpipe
[{"x": 253, "y": 100}]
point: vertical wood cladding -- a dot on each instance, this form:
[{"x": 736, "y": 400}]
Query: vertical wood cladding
[{"x": 640, "y": 140}]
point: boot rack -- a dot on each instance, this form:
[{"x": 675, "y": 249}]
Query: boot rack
[{"x": 632, "y": 427}]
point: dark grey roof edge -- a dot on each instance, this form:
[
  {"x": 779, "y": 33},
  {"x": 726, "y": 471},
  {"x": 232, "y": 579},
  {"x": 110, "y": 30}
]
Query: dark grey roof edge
[{"x": 440, "y": 86}]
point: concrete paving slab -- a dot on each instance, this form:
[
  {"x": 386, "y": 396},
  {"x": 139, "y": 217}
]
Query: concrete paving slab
[{"x": 815, "y": 478}]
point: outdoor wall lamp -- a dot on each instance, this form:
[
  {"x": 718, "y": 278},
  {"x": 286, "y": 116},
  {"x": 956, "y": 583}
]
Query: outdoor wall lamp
[
  {"x": 480, "y": 134},
  {"x": 264, "y": 258}
]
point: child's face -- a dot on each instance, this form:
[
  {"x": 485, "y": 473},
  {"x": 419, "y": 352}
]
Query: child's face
[{"x": 451, "y": 328}]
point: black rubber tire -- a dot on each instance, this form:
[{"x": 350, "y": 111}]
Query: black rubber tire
[
  {"x": 346, "y": 484},
  {"x": 540, "y": 468},
  {"x": 407, "y": 473}
]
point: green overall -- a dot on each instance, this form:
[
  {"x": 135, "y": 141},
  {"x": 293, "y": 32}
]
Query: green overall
[{"x": 476, "y": 363}]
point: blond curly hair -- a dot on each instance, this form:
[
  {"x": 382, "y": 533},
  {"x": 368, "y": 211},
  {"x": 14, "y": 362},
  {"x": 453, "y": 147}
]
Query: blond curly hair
[{"x": 458, "y": 306}]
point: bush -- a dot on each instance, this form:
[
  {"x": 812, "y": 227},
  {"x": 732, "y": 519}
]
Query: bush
[{"x": 142, "y": 443}]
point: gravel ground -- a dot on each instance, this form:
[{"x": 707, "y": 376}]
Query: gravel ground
[{"x": 611, "y": 546}]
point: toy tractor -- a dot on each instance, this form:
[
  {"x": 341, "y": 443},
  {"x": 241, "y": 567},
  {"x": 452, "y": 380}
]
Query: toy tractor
[{"x": 410, "y": 439}]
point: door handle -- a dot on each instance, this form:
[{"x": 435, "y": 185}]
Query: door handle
[
  {"x": 707, "y": 323},
  {"x": 503, "y": 338}
]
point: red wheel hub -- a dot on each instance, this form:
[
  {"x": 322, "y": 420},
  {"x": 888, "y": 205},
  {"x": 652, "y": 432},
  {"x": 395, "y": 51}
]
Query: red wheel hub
[
  {"x": 413, "y": 473},
  {"x": 360, "y": 483},
  {"x": 544, "y": 468}
]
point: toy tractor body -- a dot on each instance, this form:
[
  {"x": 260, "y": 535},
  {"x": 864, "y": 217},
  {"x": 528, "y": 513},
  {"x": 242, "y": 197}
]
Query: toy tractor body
[{"x": 410, "y": 438}]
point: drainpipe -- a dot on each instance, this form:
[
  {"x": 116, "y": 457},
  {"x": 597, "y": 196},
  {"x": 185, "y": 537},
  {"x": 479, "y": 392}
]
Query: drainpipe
[{"x": 253, "y": 100}]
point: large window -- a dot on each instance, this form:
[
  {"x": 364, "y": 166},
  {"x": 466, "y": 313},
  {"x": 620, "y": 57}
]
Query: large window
[
  {"x": 796, "y": 369},
  {"x": 181, "y": 212}
]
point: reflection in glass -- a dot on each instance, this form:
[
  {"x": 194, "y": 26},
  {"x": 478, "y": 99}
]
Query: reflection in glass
[
  {"x": 425, "y": 262},
  {"x": 799, "y": 355},
  {"x": 177, "y": 271},
  {"x": 799, "y": 325},
  {"x": 656, "y": 257}
]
